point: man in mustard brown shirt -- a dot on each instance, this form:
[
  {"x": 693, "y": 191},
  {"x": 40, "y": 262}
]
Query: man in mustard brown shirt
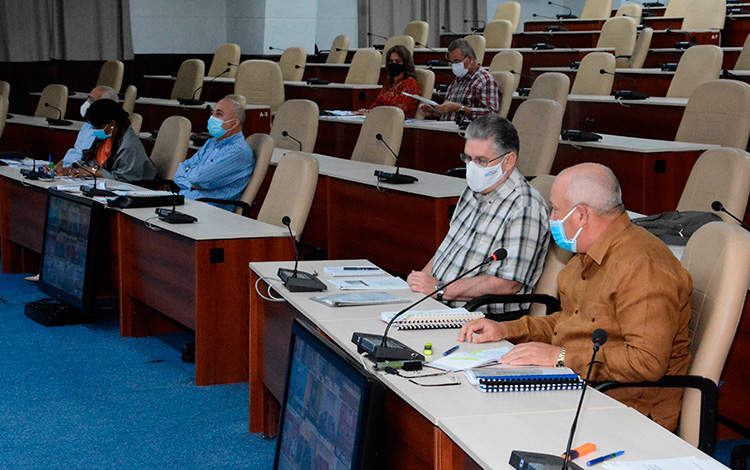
[{"x": 623, "y": 280}]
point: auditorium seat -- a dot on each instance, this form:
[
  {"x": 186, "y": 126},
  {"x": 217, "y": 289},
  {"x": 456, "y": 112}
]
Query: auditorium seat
[
  {"x": 538, "y": 123},
  {"x": 292, "y": 64},
  {"x": 189, "y": 80},
  {"x": 505, "y": 81},
  {"x": 388, "y": 121},
  {"x": 631, "y": 10},
  {"x": 551, "y": 86},
  {"x": 128, "y": 101},
  {"x": 405, "y": 40},
  {"x": 479, "y": 44},
  {"x": 170, "y": 148},
  {"x": 588, "y": 80},
  {"x": 619, "y": 33},
  {"x": 507, "y": 61},
  {"x": 299, "y": 118},
  {"x": 339, "y": 49},
  {"x": 743, "y": 61},
  {"x": 640, "y": 51},
  {"x": 704, "y": 14},
  {"x": 260, "y": 82},
  {"x": 365, "y": 68},
  {"x": 676, "y": 8},
  {"x": 5, "y": 89},
  {"x": 111, "y": 75},
  {"x": 225, "y": 54},
  {"x": 510, "y": 11},
  {"x": 596, "y": 9},
  {"x": 418, "y": 30},
  {"x": 498, "y": 34},
  {"x": 55, "y": 95},
  {"x": 697, "y": 65},
  {"x": 136, "y": 120}
]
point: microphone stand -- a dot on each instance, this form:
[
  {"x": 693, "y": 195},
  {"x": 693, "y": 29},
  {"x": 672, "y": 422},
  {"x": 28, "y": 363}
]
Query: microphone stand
[
  {"x": 625, "y": 94},
  {"x": 59, "y": 121},
  {"x": 90, "y": 191},
  {"x": 298, "y": 281},
  {"x": 194, "y": 102},
  {"x": 286, "y": 134},
  {"x": 393, "y": 178},
  {"x": 719, "y": 207},
  {"x": 429, "y": 63}
]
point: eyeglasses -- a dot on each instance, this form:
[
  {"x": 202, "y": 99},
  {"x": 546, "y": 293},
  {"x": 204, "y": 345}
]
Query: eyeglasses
[
  {"x": 457, "y": 61},
  {"x": 479, "y": 161}
]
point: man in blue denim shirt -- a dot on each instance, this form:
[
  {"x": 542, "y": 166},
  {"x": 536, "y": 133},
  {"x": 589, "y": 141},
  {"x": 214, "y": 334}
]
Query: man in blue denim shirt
[{"x": 222, "y": 167}]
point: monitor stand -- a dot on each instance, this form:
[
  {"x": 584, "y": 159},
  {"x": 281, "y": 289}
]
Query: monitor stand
[{"x": 53, "y": 313}]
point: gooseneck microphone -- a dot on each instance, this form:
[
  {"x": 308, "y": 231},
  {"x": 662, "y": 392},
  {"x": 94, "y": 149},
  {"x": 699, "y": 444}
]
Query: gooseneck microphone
[
  {"x": 393, "y": 178},
  {"x": 93, "y": 190},
  {"x": 294, "y": 280},
  {"x": 59, "y": 121},
  {"x": 380, "y": 348},
  {"x": 286, "y": 134},
  {"x": 523, "y": 91},
  {"x": 719, "y": 207},
  {"x": 551, "y": 28},
  {"x": 378, "y": 47},
  {"x": 430, "y": 63},
  {"x": 448, "y": 30},
  {"x": 568, "y": 15},
  {"x": 475, "y": 29},
  {"x": 625, "y": 94},
  {"x": 194, "y": 102}
]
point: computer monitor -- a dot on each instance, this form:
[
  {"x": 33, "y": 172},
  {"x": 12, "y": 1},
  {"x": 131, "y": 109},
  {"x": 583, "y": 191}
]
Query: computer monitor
[
  {"x": 332, "y": 408},
  {"x": 69, "y": 254}
]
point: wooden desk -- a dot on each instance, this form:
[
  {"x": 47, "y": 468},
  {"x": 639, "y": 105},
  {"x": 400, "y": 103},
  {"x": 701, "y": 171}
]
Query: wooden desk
[
  {"x": 572, "y": 24},
  {"x": 582, "y": 39},
  {"x": 334, "y": 96},
  {"x": 653, "y": 82},
  {"x": 658, "y": 56},
  {"x": 42, "y": 139}
]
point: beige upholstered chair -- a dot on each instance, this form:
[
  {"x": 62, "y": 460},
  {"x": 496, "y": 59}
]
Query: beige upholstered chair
[
  {"x": 365, "y": 68},
  {"x": 717, "y": 113},
  {"x": 111, "y": 74},
  {"x": 262, "y": 145},
  {"x": 238, "y": 98},
  {"x": 405, "y": 40},
  {"x": 498, "y": 34},
  {"x": 225, "y": 54},
  {"x": 597, "y": 9},
  {"x": 387, "y": 121},
  {"x": 426, "y": 80},
  {"x": 339, "y": 48},
  {"x": 189, "y": 79},
  {"x": 619, "y": 33},
  {"x": 171, "y": 146},
  {"x": 5, "y": 89},
  {"x": 588, "y": 80},
  {"x": 676, "y": 8},
  {"x": 631, "y": 10},
  {"x": 54, "y": 95},
  {"x": 704, "y": 14},
  {"x": 697, "y": 65},
  {"x": 640, "y": 51},
  {"x": 136, "y": 121},
  {"x": 299, "y": 118},
  {"x": 479, "y": 44},
  {"x": 510, "y": 11},
  {"x": 543, "y": 184},
  {"x": 128, "y": 102},
  {"x": 419, "y": 30},
  {"x": 551, "y": 86},
  {"x": 743, "y": 61},
  {"x": 538, "y": 123},
  {"x": 3, "y": 113},
  {"x": 505, "y": 81},
  {"x": 291, "y": 192},
  {"x": 292, "y": 64},
  {"x": 260, "y": 82},
  {"x": 718, "y": 175},
  {"x": 508, "y": 61}
]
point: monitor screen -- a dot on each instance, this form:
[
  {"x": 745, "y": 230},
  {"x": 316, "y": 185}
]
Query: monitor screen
[
  {"x": 327, "y": 418},
  {"x": 68, "y": 250}
]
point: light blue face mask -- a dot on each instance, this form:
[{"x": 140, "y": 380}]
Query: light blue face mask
[
  {"x": 214, "y": 127},
  {"x": 558, "y": 234},
  {"x": 101, "y": 134}
]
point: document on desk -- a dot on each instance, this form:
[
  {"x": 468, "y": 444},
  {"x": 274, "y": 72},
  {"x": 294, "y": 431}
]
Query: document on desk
[
  {"x": 420, "y": 98},
  {"x": 369, "y": 283},
  {"x": 356, "y": 299},
  {"x": 468, "y": 360},
  {"x": 682, "y": 463}
]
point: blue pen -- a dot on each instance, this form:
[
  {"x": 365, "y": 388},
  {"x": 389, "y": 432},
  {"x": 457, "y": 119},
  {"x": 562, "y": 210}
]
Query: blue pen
[
  {"x": 604, "y": 458},
  {"x": 451, "y": 350}
]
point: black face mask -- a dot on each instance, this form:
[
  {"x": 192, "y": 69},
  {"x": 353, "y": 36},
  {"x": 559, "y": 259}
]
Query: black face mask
[{"x": 394, "y": 69}]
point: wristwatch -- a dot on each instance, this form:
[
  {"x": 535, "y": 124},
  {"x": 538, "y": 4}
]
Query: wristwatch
[
  {"x": 561, "y": 358},
  {"x": 440, "y": 288},
  {"x": 462, "y": 110}
]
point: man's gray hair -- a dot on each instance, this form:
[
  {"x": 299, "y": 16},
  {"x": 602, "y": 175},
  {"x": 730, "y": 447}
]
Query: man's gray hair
[
  {"x": 106, "y": 92},
  {"x": 464, "y": 46},
  {"x": 595, "y": 186},
  {"x": 493, "y": 126},
  {"x": 237, "y": 110}
]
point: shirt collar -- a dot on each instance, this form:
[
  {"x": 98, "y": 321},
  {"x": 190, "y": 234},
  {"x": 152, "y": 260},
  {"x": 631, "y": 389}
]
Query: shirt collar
[
  {"x": 229, "y": 140},
  {"x": 602, "y": 244}
]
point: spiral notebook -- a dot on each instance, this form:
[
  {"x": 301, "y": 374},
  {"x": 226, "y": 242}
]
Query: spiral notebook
[
  {"x": 429, "y": 319},
  {"x": 524, "y": 379}
]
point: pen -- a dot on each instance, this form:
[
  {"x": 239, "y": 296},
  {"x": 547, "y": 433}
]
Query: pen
[
  {"x": 451, "y": 350},
  {"x": 604, "y": 457}
]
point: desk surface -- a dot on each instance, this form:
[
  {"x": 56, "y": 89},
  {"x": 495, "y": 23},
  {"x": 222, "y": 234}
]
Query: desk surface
[{"x": 25, "y": 120}]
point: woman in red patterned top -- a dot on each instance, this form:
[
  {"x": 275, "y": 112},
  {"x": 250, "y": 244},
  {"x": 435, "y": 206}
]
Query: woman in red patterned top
[{"x": 400, "y": 65}]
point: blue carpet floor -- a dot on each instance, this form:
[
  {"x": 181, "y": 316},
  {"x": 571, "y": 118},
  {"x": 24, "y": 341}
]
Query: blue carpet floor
[{"x": 83, "y": 397}]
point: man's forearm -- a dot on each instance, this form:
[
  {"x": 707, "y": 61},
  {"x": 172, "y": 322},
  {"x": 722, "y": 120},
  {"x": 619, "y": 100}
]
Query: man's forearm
[{"x": 473, "y": 287}]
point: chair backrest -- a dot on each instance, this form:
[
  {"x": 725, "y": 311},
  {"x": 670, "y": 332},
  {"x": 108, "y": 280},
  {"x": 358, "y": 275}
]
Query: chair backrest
[
  {"x": 597, "y": 9},
  {"x": 136, "y": 121},
  {"x": 171, "y": 146},
  {"x": 505, "y": 81},
  {"x": 111, "y": 74},
  {"x": 640, "y": 51},
  {"x": 479, "y": 44},
  {"x": 717, "y": 113},
  {"x": 551, "y": 86},
  {"x": 55, "y": 95},
  {"x": 698, "y": 64},
  {"x": 387, "y": 121},
  {"x": 718, "y": 259},
  {"x": 506, "y": 61},
  {"x": 704, "y": 14},
  {"x": 262, "y": 145},
  {"x": 260, "y": 82},
  {"x": 189, "y": 79},
  {"x": 588, "y": 80},
  {"x": 406, "y": 41},
  {"x": 419, "y": 30},
  {"x": 718, "y": 175},
  {"x": 3, "y": 113},
  {"x": 128, "y": 101},
  {"x": 4, "y": 89},
  {"x": 292, "y": 64},
  {"x": 225, "y": 54},
  {"x": 631, "y": 10},
  {"x": 291, "y": 192},
  {"x": 510, "y": 11},
  {"x": 498, "y": 34},
  {"x": 676, "y": 8},
  {"x": 426, "y": 80},
  {"x": 619, "y": 33},
  {"x": 743, "y": 61},
  {"x": 538, "y": 123},
  {"x": 365, "y": 68},
  {"x": 299, "y": 118},
  {"x": 339, "y": 48}
]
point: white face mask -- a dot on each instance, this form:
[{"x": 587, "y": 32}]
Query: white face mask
[
  {"x": 459, "y": 70},
  {"x": 84, "y": 108},
  {"x": 480, "y": 178}
]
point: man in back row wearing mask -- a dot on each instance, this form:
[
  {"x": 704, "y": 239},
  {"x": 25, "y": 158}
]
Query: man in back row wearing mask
[{"x": 499, "y": 209}]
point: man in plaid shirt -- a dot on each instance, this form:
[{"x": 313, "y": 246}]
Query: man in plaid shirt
[
  {"x": 499, "y": 209},
  {"x": 472, "y": 94}
]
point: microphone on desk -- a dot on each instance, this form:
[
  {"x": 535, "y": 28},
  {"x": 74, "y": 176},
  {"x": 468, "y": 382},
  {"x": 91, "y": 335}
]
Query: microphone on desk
[
  {"x": 719, "y": 207},
  {"x": 551, "y": 28},
  {"x": 625, "y": 94},
  {"x": 172, "y": 216},
  {"x": 194, "y": 102},
  {"x": 568, "y": 15},
  {"x": 519, "y": 90},
  {"x": 376, "y": 36},
  {"x": 59, "y": 121},
  {"x": 319, "y": 80},
  {"x": 380, "y": 348},
  {"x": 86, "y": 190},
  {"x": 294, "y": 280},
  {"x": 448, "y": 30},
  {"x": 393, "y": 178},
  {"x": 34, "y": 173},
  {"x": 429, "y": 63},
  {"x": 477, "y": 30},
  {"x": 524, "y": 460},
  {"x": 378, "y": 46},
  {"x": 683, "y": 44},
  {"x": 286, "y": 134}
]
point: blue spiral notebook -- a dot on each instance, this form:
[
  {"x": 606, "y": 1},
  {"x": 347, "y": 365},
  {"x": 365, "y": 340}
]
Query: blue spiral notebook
[{"x": 524, "y": 379}]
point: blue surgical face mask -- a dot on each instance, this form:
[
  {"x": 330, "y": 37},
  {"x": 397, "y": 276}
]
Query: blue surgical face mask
[
  {"x": 101, "y": 134},
  {"x": 558, "y": 234},
  {"x": 214, "y": 127}
]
